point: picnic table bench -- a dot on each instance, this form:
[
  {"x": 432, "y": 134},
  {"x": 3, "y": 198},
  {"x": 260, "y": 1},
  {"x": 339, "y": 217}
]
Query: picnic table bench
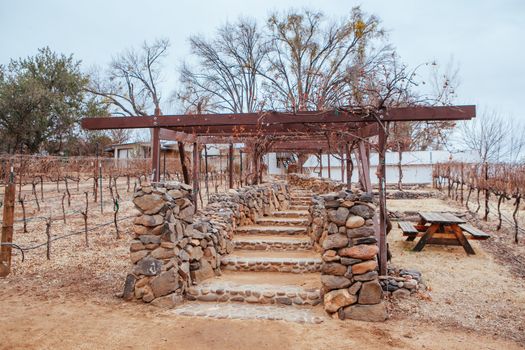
[{"x": 441, "y": 228}]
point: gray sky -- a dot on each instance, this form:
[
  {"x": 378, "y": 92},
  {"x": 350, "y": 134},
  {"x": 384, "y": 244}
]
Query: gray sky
[{"x": 484, "y": 38}]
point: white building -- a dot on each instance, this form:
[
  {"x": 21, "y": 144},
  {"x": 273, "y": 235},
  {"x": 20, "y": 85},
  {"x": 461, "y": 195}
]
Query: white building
[{"x": 417, "y": 165}]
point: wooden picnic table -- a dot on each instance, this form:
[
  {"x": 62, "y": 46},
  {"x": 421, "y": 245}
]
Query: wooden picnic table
[{"x": 443, "y": 229}]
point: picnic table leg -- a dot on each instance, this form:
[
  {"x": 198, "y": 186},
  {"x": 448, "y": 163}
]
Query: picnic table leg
[
  {"x": 462, "y": 239},
  {"x": 428, "y": 235},
  {"x": 419, "y": 224}
]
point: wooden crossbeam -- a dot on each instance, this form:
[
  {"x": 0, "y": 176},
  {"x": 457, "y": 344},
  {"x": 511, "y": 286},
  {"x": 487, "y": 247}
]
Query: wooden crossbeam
[{"x": 267, "y": 119}]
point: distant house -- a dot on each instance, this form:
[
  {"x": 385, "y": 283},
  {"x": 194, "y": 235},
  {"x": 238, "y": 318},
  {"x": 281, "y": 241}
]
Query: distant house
[
  {"x": 416, "y": 166},
  {"x": 169, "y": 154},
  {"x": 129, "y": 150}
]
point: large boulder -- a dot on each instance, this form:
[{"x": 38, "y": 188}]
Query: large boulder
[
  {"x": 359, "y": 232},
  {"x": 335, "y": 241},
  {"x": 370, "y": 313},
  {"x": 364, "y": 267},
  {"x": 149, "y": 203},
  {"x": 338, "y": 216},
  {"x": 148, "y": 267},
  {"x": 165, "y": 283},
  {"x": 203, "y": 273},
  {"x": 370, "y": 293},
  {"x": 354, "y": 221},
  {"x": 334, "y": 269},
  {"x": 362, "y": 210},
  {"x": 362, "y": 251},
  {"x": 149, "y": 220},
  {"x": 331, "y": 282},
  {"x": 337, "y": 299}
]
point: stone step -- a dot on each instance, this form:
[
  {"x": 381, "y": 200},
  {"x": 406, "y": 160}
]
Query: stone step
[
  {"x": 280, "y": 221},
  {"x": 250, "y": 312},
  {"x": 260, "y": 288},
  {"x": 272, "y": 242},
  {"x": 292, "y": 213},
  {"x": 272, "y": 261},
  {"x": 270, "y": 230},
  {"x": 298, "y": 207},
  {"x": 300, "y": 198}
]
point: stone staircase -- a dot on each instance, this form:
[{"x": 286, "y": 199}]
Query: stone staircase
[{"x": 273, "y": 272}]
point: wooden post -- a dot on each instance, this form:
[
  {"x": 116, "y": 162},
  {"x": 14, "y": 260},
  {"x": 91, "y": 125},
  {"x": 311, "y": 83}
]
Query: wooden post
[
  {"x": 342, "y": 155},
  {"x": 164, "y": 167},
  {"x": 230, "y": 166},
  {"x": 364, "y": 167},
  {"x": 206, "y": 171},
  {"x": 195, "y": 174},
  {"x": 7, "y": 224},
  {"x": 348, "y": 165},
  {"x": 321, "y": 163},
  {"x": 183, "y": 166},
  {"x": 462, "y": 181},
  {"x": 329, "y": 167},
  {"x": 155, "y": 155},
  {"x": 155, "y": 149},
  {"x": 240, "y": 167},
  {"x": 382, "y": 203}
]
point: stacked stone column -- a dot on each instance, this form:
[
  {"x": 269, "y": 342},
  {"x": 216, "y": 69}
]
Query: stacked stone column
[{"x": 349, "y": 272}]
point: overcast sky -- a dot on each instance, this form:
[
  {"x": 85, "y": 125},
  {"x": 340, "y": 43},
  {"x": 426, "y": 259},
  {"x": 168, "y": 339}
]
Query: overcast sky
[{"x": 484, "y": 38}]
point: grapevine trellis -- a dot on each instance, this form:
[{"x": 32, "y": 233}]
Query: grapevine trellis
[{"x": 502, "y": 180}]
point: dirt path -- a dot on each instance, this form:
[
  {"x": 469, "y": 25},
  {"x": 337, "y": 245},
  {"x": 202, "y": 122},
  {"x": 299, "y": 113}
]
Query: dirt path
[{"x": 31, "y": 323}]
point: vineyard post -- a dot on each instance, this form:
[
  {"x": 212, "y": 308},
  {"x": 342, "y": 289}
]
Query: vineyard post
[
  {"x": 101, "y": 187},
  {"x": 85, "y": 216},
  {"x": 462, "y": 181},
  {"x": 48, "y": 234},
  {"x": 42, "y": 188},
  {"x": 35, "y": 194},
  {"x": 515, "y": 217},
  {"x": 63, "y": 208},
  {"x": 21, "y": 200},
  {"x": 7, "y": 224},
  {"x": 487, "y": 193}
]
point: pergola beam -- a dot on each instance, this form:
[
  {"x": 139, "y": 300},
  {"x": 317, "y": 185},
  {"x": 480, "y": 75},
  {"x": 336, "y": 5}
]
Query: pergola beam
[{"x": 266, "y": 119}]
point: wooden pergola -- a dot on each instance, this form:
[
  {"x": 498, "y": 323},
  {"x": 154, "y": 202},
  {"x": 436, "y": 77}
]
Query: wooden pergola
[{"x": 308, "y": 131}]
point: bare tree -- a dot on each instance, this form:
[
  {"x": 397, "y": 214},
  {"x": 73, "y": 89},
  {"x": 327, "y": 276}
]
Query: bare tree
[
  {"x": 312, "y": 60},
  {"x": 486, "y": 135},
  {"x": 132, "y": 80},
  {"x": 225, "y": 78}
]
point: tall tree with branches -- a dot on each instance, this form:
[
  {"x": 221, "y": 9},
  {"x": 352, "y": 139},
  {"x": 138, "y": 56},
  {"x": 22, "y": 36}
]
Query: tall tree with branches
[{"x": 225, "y": 77}]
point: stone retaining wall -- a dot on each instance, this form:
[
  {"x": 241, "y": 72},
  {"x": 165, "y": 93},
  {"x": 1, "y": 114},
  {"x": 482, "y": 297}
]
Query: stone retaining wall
[
  {"x": 248, "y": 203},
  {"x": 317, "y": 185},
  {"x": 174, "y": 248}
]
